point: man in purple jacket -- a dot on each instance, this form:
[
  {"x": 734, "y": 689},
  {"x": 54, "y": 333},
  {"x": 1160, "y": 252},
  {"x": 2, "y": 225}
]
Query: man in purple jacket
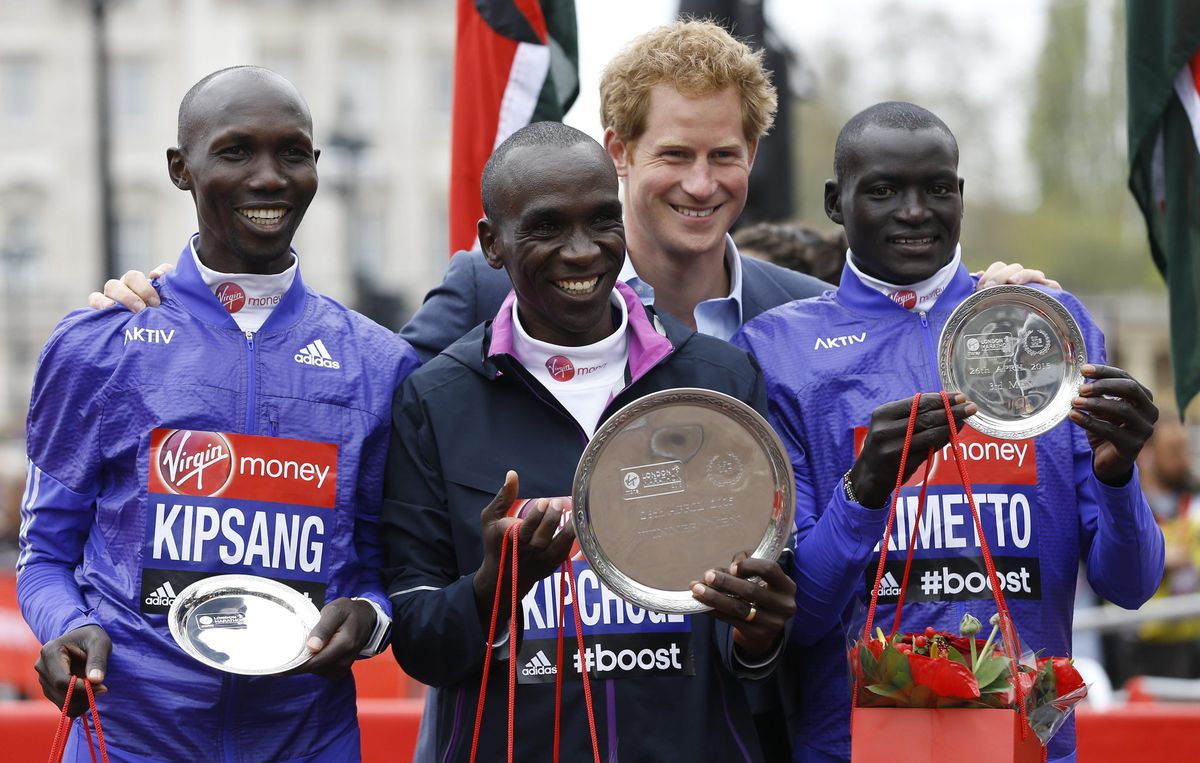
[{"x": 841, "y": 371}]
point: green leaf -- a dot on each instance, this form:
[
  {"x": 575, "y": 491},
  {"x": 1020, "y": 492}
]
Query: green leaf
[
  {"x": 893, "y": 660},
  {"x": 989, "y": 669},
  {"x": 884, "y": 690},
  {"x": 955, "y": 655},
  {"x": 866, "y": 660}
]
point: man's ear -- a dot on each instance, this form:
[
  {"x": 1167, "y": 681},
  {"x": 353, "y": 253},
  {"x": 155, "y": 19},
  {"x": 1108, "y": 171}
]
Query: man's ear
[
  {"x": 486, "y": 232},
  {"x": 177, "y": 169},
  {"x": 753, "y": 151},
  {"x": 618, "y": 151},
  {"x": 833, "y": 201}
]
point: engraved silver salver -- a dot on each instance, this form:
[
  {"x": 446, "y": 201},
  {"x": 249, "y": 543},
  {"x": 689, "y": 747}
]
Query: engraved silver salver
[
  {"x": 675, "y": 484},
  {"x": 1016, "y": 353},
  {"x": 243, "y": 624}
]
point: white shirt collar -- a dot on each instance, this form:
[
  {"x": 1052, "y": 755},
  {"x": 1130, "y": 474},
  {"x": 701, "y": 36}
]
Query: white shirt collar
[{"x": 733, "y": 261}]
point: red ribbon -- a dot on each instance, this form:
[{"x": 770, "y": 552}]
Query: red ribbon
[
  {"x": 64, "y": 723},
  {"x": 566, "y": 581}
]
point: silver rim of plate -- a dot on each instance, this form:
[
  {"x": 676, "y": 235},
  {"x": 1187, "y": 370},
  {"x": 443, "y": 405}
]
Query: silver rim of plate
[
  {"x": 243, "y": 624},
  {"x": 750, "y": 433},
  {"x": 1015, "y": 352}
]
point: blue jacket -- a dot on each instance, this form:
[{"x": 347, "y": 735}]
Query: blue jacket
[
  {"x": 130, "y": 415},
  {"x": 829, "y": 362},
  {"x": 460, "y": 423},
  {"x": 472, "y": 291}
]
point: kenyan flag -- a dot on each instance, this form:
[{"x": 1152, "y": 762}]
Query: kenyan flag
[
  {"x": 515, "y": 62},
  {"x": 1164, "y": 164}
]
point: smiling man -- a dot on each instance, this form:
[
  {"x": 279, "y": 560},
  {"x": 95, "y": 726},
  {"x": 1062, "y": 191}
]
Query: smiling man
[
  {"x": 151, "y": 442},
  {"x": 683, "y": 108},
  {"x": 521, "y": 395},
  {"x": 842, "y": 370}
]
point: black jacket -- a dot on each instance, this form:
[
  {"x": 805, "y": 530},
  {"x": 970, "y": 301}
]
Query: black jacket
[{"x": 459, "y": 423}]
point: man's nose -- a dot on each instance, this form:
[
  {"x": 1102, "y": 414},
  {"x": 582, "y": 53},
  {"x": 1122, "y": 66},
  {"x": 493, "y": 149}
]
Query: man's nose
[
  {"x": 580, "y": 246},
  {"x": 699, "y": 181},
  {"x": 267, "y": 174},
  {"x": 912, "y": 208}
]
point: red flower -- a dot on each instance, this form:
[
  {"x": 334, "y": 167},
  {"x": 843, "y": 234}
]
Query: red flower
[
  {"x": 946, "y": 678},
  {"x": 963, "y": 644},
  {"x": 1066, "y": 677}
]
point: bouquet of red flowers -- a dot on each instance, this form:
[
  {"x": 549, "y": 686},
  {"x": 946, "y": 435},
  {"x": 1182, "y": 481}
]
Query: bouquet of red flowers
[{"x": 937, "y": 669}]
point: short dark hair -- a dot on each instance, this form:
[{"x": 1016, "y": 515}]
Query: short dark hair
[
  {"x": 796, "y": 247},
  {"x": 186, "y": 124},
  {"x": 898, "y": 115},
  {"x": 539, "y": 134}
]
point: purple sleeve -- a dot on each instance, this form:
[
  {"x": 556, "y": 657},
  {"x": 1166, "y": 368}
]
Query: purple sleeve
[
  {"x": 368, "y": 546},
  {"x": 58, "y": 508},
  {"x": 1122, "y": 545},
  {"x": 1124, "y": 548}
]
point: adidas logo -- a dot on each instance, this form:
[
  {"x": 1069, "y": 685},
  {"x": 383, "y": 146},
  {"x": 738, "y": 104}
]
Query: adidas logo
[
  {"x": 315, "y": 354},
  {"x": 539, "y": 665},
  {"x": 163, "y": 596},
  {"x": 888, "y": 586}
]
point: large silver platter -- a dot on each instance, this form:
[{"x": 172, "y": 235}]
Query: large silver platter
[
  {"x": 675, "y": 484},
  {"x": 1015, "y": 352},
  {"x": 243, "y": 624}
]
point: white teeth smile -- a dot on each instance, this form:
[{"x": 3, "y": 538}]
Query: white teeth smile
[
  {"x": 917, "y": 241},
  {"x": 263, "y": 216},
  {"x": 578, "y": 287},
  {"x": 694, "y": 212}
]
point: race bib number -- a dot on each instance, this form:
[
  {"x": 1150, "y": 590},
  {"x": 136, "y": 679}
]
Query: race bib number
[
  {"x": 947, "y": 555},
  {"x": 222, "y": 503},
  {"x": 621, "y": 640}
]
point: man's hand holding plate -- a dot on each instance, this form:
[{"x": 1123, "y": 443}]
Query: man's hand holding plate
[
  {"x": 758, "y": 609},
  {"x": 338, "y": 637},
  {"x": 1118, "y": 414}
]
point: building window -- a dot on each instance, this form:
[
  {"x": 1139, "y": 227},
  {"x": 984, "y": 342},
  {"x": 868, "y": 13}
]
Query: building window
[
  {"x": 443, "y": 87},
  {"x": 367, "y": 240},
  {"x": 129, "y": 94},
  {"x": 362, "y": 89},
  {"x": 134, "y": 235},
  {"x": 18, "y": 91}
]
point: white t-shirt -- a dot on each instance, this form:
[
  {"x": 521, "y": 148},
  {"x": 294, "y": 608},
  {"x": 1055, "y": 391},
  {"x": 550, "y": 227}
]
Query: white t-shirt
[
  {"x": 583, "y": 379},
  {"x": 248, "y": 297},
  {"x": 915, "y": 297}
]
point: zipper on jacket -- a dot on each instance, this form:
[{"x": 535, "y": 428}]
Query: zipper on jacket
[
  {"x": 250, "y": 374},
  {"x": 272, "y": 420},
  {"x": 932, "y": 350}
]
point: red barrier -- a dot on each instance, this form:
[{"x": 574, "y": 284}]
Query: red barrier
[
  {"x": 389, "y": 729},
  {"x": 1149, "y": 732}
]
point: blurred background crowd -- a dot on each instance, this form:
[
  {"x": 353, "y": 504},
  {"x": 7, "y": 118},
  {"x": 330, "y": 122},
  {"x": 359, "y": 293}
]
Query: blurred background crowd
[{"x": 1034, "y": 90}]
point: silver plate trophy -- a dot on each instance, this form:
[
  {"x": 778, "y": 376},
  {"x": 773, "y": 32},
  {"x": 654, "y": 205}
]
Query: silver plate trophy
[
  {"x": 243, "y": 624},
  {"x": 675, "y": 484},
  {"x": 1015, "y": 352}
]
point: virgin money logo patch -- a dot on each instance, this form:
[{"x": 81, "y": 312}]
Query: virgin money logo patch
[
  {"x": 272, "y": 469},
  {"x": 561, "y": 368},
  {"x": 231, "y": 296},
  {"x": 906, "y": 298},
  {"x": 195, "y": 463}
]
